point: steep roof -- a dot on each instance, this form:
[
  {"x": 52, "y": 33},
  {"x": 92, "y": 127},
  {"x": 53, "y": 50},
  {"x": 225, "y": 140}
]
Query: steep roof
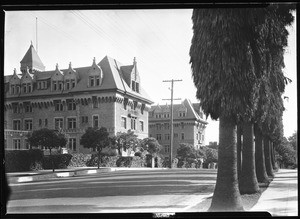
[
  {"x": 112, "y": 80},
  {"x": 31, "y": 59},
  {"x": 191, "y": 110}
]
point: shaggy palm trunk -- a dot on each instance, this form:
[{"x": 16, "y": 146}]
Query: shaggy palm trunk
[
  {"x": 239, "y": 149},
  {"x": 261, "y": 173},
  {"x": 226, "y": 194},
  {"x": 268, "y": 162},
  {"x": 273, "y": 157},
  {"x": 248, "y": 182}
]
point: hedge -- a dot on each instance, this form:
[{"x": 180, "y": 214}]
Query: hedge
[
  {"x": 79, "y": 160},
  {"x": 61, "y": 161},
  {"x": 23, "y": 160}
]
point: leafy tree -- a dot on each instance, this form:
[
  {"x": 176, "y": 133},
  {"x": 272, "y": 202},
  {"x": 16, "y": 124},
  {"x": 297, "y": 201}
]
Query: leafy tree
[
  {"x": 47, "y": 138},
  {"x": 293, "y": 140},
  {"x": 186, "y": 150},
  {"x": 95, "y": 138},
  {"x": 126, "y": 141},
  {"x": 152, "y": 146}
]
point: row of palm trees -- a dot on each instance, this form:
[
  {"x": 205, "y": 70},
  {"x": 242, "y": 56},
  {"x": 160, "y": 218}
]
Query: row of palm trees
[{"x": 237, "y": 59}]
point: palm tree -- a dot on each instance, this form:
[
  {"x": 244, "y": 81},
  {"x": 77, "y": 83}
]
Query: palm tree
[
  {"x": 226, "y": 59},
  {"x": 260, "y": 166},
  {"x": 248, "y": 181}
]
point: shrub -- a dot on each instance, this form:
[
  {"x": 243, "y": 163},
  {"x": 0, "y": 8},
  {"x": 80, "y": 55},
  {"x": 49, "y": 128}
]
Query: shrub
[
  {"x": 23, "y": 160},
  {"x": 79, "y": 160},
  {"x": 61, "y": 161},
  {"x": 124, "y": 162},
  {"x": 159, "y": 162},
  {"x": 108, "y": 161},
  {"x": 174, "y": 163},
  {"x": 137, "y": 162}
]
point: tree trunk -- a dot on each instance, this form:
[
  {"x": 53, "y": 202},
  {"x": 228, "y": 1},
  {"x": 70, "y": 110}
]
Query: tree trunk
[
  {"x": 248, "y": 181},
  {"x": 152, "y": 162},
  {"x": 273, "y": 157},
  {"x": 227, "y": 195},
  {"x": 260, "y": 166},
  {"x": 268, "y": 162},
  {"x": 239, "y": 150}
]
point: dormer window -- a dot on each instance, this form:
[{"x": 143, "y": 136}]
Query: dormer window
[
  {"x": 27, "y": 88},
  {"x": 95, "y": 75}
]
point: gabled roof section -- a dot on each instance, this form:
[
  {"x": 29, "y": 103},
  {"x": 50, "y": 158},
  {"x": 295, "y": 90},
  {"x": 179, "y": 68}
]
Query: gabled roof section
[
  {"x": 32, "y": 60},
  {"x": 185, "y": 104}
]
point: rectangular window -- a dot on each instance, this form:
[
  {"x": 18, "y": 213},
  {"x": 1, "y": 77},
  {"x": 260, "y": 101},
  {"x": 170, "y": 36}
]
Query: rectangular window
[
  {"x": 60, "y": 85},
  {"x": 84, "y": 119},
  {"x": 16, "y": 108},
  {"x": 167, "y": 136},
  {"x": 71, "y": 123},
  {"x": 72, "y": 144},
  {"x": 29, "y": 88},
  {"x": 58, "y": 123},
  {"x": 44, "y": 85},
  {"x": 12, "y": 89},
  {"x": 142, "y": 125},
  {"x": 28, "y": 108},
  {"x": 96, "y": 121},
  {"x": 167, "y": 148},
  {"x": 182, "y": 136},
  {"x": 26, "y": 143},
  {"x": 28, "y": 124},
  {"x": 73, "y": 83},
  {"x": 97, "y": 78},
  {"x": 16, "y": 124},
  {"x": 133, "y": 123},
  {"x": 46, "y": 122},
  {"x": 166, "y": 126},
  {"x": 17, "y": 144},
  {"x": 25, "y": 88},
  {"x": 67, "y": 84},
  {"x": 158, "y": 137},
  {"x": 123, "y": 122},
  {"x": 58, "y": 105},
  {"x": 92, "y": 82},
  {"x": 54, "y": 85},
  {"x": 182, "y": 125},
  {"x": 95, "y": 102},
  {"x": 71, "y": 104}
]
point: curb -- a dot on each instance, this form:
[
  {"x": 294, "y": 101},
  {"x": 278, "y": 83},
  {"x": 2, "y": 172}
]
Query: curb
[{"x": 29, "y": 177}]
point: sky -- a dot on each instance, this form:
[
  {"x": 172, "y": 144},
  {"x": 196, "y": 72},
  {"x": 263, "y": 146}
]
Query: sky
[{"x": 160, "y": 40}]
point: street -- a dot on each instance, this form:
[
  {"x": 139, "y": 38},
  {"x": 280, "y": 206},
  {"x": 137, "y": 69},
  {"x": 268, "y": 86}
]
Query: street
[{"x": 174, "y": 190}]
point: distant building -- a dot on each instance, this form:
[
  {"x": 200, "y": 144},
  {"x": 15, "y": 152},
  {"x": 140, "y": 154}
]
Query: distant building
[
  {"x": 105, "y": 94},
  {"x": 189, "y": 125}
]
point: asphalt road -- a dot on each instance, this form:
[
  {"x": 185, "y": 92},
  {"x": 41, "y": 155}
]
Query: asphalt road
[{"x": 173, "y": 190}]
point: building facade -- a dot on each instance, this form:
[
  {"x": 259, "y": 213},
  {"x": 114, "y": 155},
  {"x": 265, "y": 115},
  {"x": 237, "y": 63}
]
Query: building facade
[
  {"x": 188, "y": 125},
  {"x": 105, "y": 94}
]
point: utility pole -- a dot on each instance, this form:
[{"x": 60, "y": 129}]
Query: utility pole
[{"x": 171, "y": 131}]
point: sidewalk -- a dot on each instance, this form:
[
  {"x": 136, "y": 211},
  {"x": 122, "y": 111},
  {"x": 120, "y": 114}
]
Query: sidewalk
[{"x": 281, "y": 197}]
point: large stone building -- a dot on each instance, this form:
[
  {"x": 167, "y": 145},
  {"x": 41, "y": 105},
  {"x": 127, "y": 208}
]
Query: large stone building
[
  {"x": 188, "y": 125},
  {"x": 105, "y": 94}
]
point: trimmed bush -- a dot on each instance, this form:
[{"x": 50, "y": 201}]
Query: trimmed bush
[
  {"x": 79, "y": 160},
  {"x": 124, "y": 162},
  {"x": 137, "y": 162},
  {"x": 61, "y": 161},
  {"x": 23, "y": 160},
  {"x": 108, "y": 161}
]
